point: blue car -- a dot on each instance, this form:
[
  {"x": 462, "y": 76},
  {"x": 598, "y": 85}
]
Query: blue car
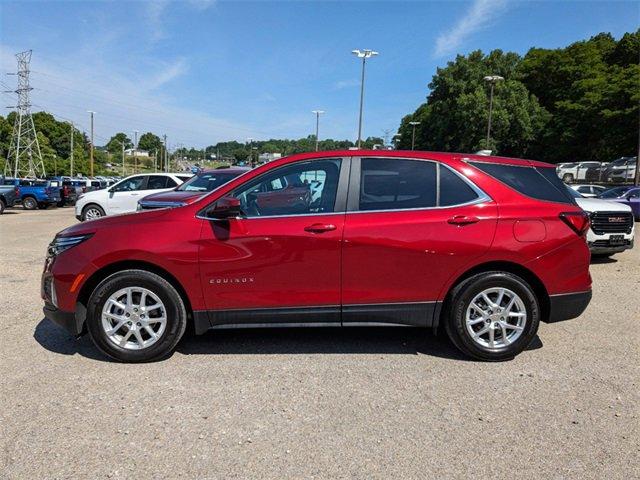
[{"x": 38, "y": 193}]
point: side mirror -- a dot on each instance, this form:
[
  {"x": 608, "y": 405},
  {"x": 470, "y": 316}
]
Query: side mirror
[{"x": 225, "y": 207}]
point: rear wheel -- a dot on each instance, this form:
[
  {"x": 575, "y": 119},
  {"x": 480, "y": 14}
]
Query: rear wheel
[
  {"x": 91, "y": 212},
  {"x": 2, "y": 206},
  {"x": 136, "y": 316},
  {"x": 29, "y": 203},
  {"x": 492, "y": 316}
]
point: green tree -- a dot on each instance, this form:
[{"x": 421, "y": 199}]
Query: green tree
[
  {"x": 455, "y": 116},
  {"x": 150, "y": 142},
  {"x": 114, "y": 145}
]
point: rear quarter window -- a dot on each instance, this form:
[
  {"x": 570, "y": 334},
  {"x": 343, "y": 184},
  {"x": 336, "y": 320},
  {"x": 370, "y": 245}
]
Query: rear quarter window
[{"x": 541, "y": 183}]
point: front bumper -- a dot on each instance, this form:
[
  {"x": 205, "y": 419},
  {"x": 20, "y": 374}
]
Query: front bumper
[
  {"x": 67, "y": 320},
  {"x": 567, "y": 305}
]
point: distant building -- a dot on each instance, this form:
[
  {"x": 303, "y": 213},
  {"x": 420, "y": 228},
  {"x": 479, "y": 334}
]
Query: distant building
[
  {"x": 268, "y": 157},
  {"x": 132, "y": 152}
]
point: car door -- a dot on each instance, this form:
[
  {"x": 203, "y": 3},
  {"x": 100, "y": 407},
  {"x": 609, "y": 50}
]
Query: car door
[
  {"x": 123, "y": 196},
  {"x": 410, "y": 225},
  {"x": 279, "y": 262}
]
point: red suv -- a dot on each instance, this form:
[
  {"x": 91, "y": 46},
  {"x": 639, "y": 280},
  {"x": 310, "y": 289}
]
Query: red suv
[{"x": 484, "y": 247}]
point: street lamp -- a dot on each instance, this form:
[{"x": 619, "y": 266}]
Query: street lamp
[
  {"x": 492, "y": 79},
  {"x": 363, "y": 54},
  {"x": 413, "y": 134},
  {"x": 318, "y": 113}
]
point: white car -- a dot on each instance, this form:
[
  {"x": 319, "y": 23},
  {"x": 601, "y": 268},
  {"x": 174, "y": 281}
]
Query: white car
[
  {"x": 123, "y": 196},
  {"x": 612, "y": 225},
  {"x": 589, "y": 191},
  {"x": 570, "y": 172}
]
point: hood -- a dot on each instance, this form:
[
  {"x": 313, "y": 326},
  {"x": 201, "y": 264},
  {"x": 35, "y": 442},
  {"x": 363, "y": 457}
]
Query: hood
[
  {"x": 598, "y": 205},
  {"x": 173, "y": 197},
  {"x": 131, "y": 219}
]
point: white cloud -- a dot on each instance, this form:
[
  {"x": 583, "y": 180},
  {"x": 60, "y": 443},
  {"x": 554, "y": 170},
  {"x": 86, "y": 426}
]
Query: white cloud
[
  {"x": 339, "y": 85},
  {"x": 177, "y": 68},
  {"x": 154, "y": 13},
  {"x": 124, "y": 101},
  {"x": 481, "y": 14}
]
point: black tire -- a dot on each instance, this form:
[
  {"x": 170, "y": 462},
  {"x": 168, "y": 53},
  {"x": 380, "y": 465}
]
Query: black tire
[
  {"x": 462, "y": 295},
  {"x": 175, "y": 312},
  {"x": 2, "y": 206},
  {"x": 567, "y": 178},
  {"x": 93, "y": 207},
  {"x": 60, "y": 204},
  {"x": 29, "y": 203}
]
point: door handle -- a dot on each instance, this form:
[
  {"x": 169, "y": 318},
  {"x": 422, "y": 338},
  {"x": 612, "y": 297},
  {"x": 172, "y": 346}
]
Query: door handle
[
  {"x": 462, "y": 220},
  {"x": 320, "y": 228}
]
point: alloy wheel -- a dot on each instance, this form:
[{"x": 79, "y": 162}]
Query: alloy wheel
[
  {"x": 496, "y": 318},
  {"x": 134, "y": 318},
  {"x": 92, "y": 213}
]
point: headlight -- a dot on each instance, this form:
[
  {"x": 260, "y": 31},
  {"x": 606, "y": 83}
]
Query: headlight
[{"x": 60, "y": 244}]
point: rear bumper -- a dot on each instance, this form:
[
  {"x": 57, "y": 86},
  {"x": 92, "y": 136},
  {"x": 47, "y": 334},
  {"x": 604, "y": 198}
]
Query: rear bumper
[
  {"x": 66, "y": 320},
  {"x": 567, "y": 306}
]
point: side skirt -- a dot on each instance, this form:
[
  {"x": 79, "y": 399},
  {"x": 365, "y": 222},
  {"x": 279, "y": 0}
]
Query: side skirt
[{"x": 414, "y": 314}]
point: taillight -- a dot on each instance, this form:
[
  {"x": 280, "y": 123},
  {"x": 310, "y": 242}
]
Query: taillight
[
  {"x": 577, "y": 221},
  {"x": 16, "y": 190}
]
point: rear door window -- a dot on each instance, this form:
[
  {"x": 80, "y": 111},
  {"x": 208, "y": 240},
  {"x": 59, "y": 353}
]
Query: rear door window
[
  {"x": 453, "y": 189},
  {"x": 157, "y": 182},
  {"x": 540, "y": 183},
  {"x": 396, "y": 184}
]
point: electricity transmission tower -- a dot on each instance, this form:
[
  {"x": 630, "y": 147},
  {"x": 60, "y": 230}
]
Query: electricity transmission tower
[{"x": 24, "y": 158}]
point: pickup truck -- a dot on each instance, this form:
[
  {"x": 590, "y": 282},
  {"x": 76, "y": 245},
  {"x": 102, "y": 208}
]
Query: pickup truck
[
  {"x": 9, "y": 194},
  {"x": 38, "y": 193}
]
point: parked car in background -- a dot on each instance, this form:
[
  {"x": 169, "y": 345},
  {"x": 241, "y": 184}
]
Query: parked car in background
[
  {"x": 485, "y": 247},
  {"x": 570, "y": 172},
  {"x": 597, "y": 174},
  {"x": 38, "y": 193},
  {"x": 68, "y": 192},
  {"x": 589, "y": 191},
  {"x": 624, "y": 171},
  {"x": 9, "y": 194},
  {"x": 627, "y": 195},
  {"x": 612, "y": 227},
  {"x": 123, "y": 196},
  {"x": 198, "y": 185}
]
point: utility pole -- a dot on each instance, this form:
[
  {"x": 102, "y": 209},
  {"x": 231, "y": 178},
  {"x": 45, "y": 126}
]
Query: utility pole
[
  {"x": 155, "y": 161},
  {"x": 71, "y": 151},
  {"x": 24, "y": 158},
  {"x": 413, "y": 134},
  {"x": 135, "y": 151},
  {"x": 166, "y": 156},
  {"x": 122, "y": 145},
  {"x": 637, "y": 180},
  {"x": 492, "y": 79},
  {"x": 363, "y": 54},
  {"x": 318, "y": 113},
  {"x": 91, "y": 152}
]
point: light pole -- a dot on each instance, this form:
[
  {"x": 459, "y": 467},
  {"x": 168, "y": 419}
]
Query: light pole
[
  {"x": 71, "y": 149},
  {"x": 413, "y": 134},
  {"x": 318, "y": 113},
  {"x": 135, "y": 151},
  {"x": 91, "y": 152},
  {"x": 492, "y": 79},
  {"x": 363, "y": 54}
]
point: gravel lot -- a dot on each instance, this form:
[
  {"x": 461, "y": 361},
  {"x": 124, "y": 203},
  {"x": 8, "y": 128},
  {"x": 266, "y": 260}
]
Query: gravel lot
[{"x": 321, "y": 403}]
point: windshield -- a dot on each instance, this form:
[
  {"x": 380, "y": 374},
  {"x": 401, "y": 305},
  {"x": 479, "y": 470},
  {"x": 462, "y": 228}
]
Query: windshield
[
  {"x": 574, "y": 193},
  {"x": 614, "y": 192},
  {"x": 207, "y": 181}
]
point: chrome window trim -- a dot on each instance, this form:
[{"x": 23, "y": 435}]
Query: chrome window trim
[{"x": 202, "y": 217}]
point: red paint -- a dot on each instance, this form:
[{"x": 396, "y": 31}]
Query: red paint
[{"x": 333, "y": 259}]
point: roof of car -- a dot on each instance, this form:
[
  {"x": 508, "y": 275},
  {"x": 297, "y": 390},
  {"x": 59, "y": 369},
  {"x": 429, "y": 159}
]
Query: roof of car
[{"x": 440, "y": 156}]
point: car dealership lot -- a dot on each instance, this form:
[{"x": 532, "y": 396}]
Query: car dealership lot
[{"x": 360, "y": 403}]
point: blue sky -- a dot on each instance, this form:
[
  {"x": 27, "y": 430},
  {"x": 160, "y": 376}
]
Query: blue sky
[{"x": 204, "y": 71}]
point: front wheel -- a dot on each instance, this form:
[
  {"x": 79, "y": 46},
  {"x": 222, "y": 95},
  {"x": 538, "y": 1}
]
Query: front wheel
[
  {"x": 492, "y": 316},
  {"x": 91, "y": 212},
  {"x": 136, "y": 316}
]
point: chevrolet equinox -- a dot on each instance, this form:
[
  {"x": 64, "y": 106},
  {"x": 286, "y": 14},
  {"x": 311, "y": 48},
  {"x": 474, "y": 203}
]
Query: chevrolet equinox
[{"x": 483, "y": 248}]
